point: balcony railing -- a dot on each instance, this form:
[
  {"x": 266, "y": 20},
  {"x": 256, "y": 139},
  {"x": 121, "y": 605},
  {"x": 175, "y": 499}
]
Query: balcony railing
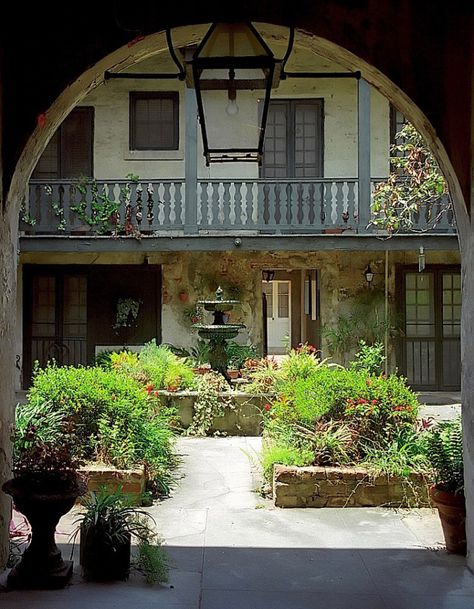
[{"x": 262, "y": 206}]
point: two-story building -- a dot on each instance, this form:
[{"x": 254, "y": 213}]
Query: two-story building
[{"x": 122, "y": 206}]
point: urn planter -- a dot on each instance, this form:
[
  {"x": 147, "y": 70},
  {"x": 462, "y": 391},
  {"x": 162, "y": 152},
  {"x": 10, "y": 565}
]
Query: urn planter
[{"x": 42, "y": 565}]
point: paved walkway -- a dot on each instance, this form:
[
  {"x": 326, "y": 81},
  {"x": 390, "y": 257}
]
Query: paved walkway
[{"x": 232, "y": 550}]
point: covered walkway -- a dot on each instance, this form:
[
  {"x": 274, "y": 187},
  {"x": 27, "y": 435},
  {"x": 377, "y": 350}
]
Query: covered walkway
[{"x": 232, "y": 550}]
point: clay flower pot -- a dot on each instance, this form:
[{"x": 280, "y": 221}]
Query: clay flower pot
[
  {"x": 184, "y": 296},
  {"x": 452, "y": 513}
]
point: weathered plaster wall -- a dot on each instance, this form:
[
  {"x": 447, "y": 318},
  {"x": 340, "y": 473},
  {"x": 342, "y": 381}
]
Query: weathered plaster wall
[
  {"x": 7, "y": 396},
  {"x": 114, "y": 160},
  {"x": 198, "y": 274}
]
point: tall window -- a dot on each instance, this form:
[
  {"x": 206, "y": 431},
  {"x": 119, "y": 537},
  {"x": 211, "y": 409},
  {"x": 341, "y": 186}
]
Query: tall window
[
  {"x": 397, "y": 122},
  {"x": 69, "y": 153},
  {"x": 154, "y": 121},
  {"x": 294, "y": 139}
]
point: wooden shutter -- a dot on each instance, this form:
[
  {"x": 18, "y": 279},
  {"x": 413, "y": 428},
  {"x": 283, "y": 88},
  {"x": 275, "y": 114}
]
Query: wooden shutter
[
  {"x": 47, "y": 167},
  {"x": 77, "y": 144},
  {"x": 69, "y": 153}
]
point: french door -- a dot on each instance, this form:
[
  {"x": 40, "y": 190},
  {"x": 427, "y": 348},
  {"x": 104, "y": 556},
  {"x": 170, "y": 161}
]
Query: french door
[
  {"x": 431, "y": 351},
  {"x": 278, "y": 298},
  {"x": 55, "y": 319}
]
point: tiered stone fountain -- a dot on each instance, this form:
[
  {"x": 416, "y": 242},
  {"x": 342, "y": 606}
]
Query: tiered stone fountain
[{"x": 218, "y": 333}]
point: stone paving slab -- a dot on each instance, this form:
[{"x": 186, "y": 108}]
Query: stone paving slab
[{"x": 230, "y": 549}]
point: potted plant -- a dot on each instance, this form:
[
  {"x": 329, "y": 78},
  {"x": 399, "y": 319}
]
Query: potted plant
[
  {"x": 106, "y": 526},
  {"x": 445, "y": 452},
  {"x": 45, "y": 486}
]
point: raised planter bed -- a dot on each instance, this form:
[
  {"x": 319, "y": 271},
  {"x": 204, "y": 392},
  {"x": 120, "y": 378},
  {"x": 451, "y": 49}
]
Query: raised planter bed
[
  {"x": 132, "y": 481},
  {"x": 318, "y": 487},
  {"x": 244, "y": 420}
]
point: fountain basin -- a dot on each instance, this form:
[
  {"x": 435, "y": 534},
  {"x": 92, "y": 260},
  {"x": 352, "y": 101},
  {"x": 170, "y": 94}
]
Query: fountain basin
[{"x": 218, "y": 332}]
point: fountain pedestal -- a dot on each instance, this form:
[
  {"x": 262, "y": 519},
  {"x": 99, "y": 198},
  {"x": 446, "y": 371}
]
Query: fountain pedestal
[{"x": 218, "y": 333}]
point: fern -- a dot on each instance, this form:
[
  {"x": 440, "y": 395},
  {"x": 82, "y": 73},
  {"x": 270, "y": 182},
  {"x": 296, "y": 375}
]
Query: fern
[{"x": 445, "y": 452}]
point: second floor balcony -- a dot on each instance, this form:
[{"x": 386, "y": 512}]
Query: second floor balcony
[{"x": 243, "y": 206}]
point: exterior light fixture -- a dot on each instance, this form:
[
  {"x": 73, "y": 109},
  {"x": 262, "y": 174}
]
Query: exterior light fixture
[
  {"x": 369, "y": 274},
  {"x": 268, "y": 276},
  {"x": 233, "y": 57},
  {"x": 421, "y": 260}
]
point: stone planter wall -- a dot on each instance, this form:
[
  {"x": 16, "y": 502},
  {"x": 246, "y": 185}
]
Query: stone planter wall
[
  {"x": 244, "y": 420},
  {"x": 344, "y": 487},
  {"x": 132, "y": 481}
]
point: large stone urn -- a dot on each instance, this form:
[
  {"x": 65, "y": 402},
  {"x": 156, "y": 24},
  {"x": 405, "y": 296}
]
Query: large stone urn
[{"x": 42, "y": 565}]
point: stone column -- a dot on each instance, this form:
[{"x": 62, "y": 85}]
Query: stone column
[{"x": 8, "y": 241}]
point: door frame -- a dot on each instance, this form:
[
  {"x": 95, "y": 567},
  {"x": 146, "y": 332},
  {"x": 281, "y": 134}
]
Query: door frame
[
  {"x": 401, "y": 271},
  {"x": 274, "y": 282}
]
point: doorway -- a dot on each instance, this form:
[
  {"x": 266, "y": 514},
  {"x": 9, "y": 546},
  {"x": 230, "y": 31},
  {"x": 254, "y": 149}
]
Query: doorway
[
  {"x": 278, "y": 306},
  {"x": 431, "y": 345}
]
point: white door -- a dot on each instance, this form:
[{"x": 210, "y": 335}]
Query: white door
[{"x": 278, "y": 295}]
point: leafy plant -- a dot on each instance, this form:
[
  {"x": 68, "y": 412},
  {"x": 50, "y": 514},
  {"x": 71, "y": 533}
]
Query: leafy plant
[
  {"x": 369, "y": 358},
  {"x": 238, "y": 354},
  {"x": 445, "y": 453},
  {"x": 127, "y": 312},
  {"x": 213, "y": 398},
  {"x": 112, "y": 517},
  {"x": 153, "y": 560},
  {"x": 162, "y": 369},
  {"x": 284, "y": 454},
  {"x": 43, "y": 445},
  {"x": 99, "y": 209},
  {"x": 113, "y": 417},
  {"x": 415, "y": 184}
]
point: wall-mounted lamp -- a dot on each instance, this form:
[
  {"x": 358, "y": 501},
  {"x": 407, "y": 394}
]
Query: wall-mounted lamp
[
  {"x": 268, "y": 276},
  {"x": 369, "y": 274},
  {"x": 421, "y": 260}
]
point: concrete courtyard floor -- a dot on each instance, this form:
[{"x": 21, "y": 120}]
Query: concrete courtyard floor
[{"x": 231, "y": 549}]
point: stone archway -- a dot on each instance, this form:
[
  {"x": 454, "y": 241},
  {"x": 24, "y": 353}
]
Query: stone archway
[{"x": 19, "y": 166}]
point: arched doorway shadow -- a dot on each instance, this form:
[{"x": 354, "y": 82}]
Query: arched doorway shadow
[{"x": 127, "y": 56}]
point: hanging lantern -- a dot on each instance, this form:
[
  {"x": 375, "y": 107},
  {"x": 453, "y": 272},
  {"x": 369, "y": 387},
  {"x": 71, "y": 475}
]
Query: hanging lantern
[{"x": 231, "y": 58}]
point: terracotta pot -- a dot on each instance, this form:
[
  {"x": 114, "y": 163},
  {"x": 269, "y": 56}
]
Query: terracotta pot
[
  {"x": 452, "y": 513},
  {"x": 184, "y": 296},
  {"x": 233, "y": 374},
  {"x": 333, "y": 231}
]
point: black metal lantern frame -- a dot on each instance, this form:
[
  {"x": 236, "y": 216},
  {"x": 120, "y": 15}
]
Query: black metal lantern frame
[
  {"x": 196, "y": 70},
  {"x": 233, "y": 65}
]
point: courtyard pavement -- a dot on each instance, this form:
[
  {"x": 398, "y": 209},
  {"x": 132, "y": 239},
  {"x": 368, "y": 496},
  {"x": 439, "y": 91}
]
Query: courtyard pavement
[{"x": 231, "y": 549}]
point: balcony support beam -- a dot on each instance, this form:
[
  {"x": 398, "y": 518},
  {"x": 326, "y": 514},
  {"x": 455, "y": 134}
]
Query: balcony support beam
[
  {"x": 190, "y": 162},
  {"x": 363, "y": 153}
]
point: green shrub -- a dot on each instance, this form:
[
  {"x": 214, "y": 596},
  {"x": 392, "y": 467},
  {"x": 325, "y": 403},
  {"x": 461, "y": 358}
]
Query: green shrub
[
  {"x": 164, "y": 369},
  {"x": 284, "y": 454},
  {"x": 238, "y": 354},
  {"x": 113, "y": 417},
  {"x": 337, "y": 413},
  {"x": 369, "y": 358}
]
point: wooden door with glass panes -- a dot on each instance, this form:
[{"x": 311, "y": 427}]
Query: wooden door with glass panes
[
  {"x": 55, "y": 319},
  {"x": 432, "y": 323},
  {"x": 278, "y": 294}
]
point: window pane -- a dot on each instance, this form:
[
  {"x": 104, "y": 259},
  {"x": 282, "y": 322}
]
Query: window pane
[{"x": 154, "y": 121}]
